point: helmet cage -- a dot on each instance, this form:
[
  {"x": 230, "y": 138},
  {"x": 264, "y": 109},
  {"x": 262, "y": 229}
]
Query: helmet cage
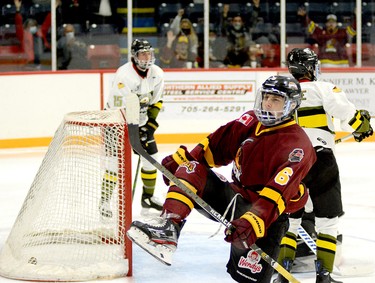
[
  {"x": 144, "y": 64},
  {"x": 291, "y": 103},
  {"x": 142, "y": 46}
]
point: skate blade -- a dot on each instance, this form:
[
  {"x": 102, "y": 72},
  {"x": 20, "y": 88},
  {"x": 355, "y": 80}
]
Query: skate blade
[{"x": 163, "y": 253}]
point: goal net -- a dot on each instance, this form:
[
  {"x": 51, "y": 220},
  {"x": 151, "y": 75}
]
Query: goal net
[{"x": 61, "y": 232}]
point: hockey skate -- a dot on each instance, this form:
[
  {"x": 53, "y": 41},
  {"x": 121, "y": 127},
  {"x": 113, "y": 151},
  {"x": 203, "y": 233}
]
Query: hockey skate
[
  {"x": 322, "y": 275},
  {"x": 105, "y": 210},
  {"x": 150, "y": 205},
  {"x": 158, "y": 237}
]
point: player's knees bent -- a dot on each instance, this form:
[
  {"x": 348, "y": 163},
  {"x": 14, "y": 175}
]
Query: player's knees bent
[{"x": 194, "y": 173}]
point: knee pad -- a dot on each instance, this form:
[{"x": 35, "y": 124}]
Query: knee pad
[
  {"x": 146, "y": 165},
  {"x": 294, "y": 223},
  {"x": 328, "y": 226},
  {"x": 194, "y": 174}
]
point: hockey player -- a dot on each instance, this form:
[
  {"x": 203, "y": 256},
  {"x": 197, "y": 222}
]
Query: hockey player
[
  {"x": 142, "y": 77},
  {"x": 321, "y": 102},
  {"x": 332, "y": 39},
  {"x": 270, "y": 154}
]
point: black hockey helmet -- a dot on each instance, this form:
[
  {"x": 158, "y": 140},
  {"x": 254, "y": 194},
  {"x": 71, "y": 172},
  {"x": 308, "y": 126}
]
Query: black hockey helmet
[
  {"x": 303, "y": 63},
  {"x": 286, "y": 87},
  {"x": 142, "y": 45}
]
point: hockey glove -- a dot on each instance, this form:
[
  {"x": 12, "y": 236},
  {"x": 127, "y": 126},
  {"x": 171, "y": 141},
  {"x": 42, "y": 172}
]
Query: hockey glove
[
  {"x": 171, "y": 162},
  {"x": 146, "y": 132},
  {"x": 361, "y": 125},
  {"x": 242, "y": 234}
]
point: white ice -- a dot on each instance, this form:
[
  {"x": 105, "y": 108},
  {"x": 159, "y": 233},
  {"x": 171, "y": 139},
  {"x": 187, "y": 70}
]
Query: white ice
[{"x": 199, "y": 257}]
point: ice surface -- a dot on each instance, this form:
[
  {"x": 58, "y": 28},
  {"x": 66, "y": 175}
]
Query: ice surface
[{"x": 199, "y": 257}]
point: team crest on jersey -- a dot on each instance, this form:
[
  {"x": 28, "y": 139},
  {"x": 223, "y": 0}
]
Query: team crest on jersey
[
  {"x": 245, "y": 119},
  {"x": 190, "y": 166},
  {"x": 251, "y": 262},
  {"x": 296, "y": 155}
]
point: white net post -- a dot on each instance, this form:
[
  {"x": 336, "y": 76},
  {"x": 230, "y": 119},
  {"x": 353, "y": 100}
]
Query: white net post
[{"x": 59, "y": 233}]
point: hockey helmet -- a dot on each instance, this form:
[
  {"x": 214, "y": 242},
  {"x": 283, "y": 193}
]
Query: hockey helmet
[
  {"x": 142, "y": 46},
  {"x": 303, "y": 63},
  {"x": 286, "y": 87}
]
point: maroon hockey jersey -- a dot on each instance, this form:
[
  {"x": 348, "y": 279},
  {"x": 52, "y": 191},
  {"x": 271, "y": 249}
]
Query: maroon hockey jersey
[{"x": 269, "y": 163}]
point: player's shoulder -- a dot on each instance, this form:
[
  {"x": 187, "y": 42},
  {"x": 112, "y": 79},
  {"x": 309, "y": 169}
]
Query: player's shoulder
[
  {"x": 322, "y": 86},
  {"x": 331, "y": 87},
  {"x": 124, "y": 68},
  {"x": 247, "y": 119},
  {"x": 156, "y": 70}
]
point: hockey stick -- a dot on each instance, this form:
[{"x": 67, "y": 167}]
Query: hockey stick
[
  {"x": 307, "y": 239},
  {"x": 134, "y": 141},
  {"x": 132, "y": 121},
  {"x": 344, "y": 138},
  {"x": 343, "y": 270},
  {"x": 136, "y": 176}
]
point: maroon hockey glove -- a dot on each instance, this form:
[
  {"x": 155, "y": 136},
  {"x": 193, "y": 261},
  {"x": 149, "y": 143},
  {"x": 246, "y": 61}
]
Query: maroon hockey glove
[
  {"x": 242, "y": 234},
  {"x": 171, "y": 162}
]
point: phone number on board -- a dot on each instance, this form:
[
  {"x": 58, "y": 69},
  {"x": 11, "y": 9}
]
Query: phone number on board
[{"x": 193, "y": 109}]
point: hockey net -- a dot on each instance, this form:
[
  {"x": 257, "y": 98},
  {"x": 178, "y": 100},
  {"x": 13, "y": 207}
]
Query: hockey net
[{"x": 59, "y": 233}]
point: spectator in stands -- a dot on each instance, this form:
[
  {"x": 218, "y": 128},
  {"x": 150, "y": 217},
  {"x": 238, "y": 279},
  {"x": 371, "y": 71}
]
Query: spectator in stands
[
  {"x": 71, "y": 52},
  {"x": 271, "y": 57},
  {"x": 238, "y": 43},
  {"x": 226, "y": 17},
  {"x": 217, "y": 51},
  {"x": 331, "y": 39},
  {"x": 181, "y": 49},
  {"x": 175, "y": 25},
  {"x": 255, "y": 54},
  {"x": 33, "y": 39},
  {"x": 251, "y": 18}
]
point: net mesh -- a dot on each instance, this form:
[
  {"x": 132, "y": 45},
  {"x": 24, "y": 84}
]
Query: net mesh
[{"x": 60, "y": 233}]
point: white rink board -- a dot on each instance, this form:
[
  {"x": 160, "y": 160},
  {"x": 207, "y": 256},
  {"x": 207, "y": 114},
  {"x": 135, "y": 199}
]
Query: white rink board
[{"x": 32, "y": 105}]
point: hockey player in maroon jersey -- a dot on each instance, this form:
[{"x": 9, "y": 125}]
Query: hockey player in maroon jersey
[
  {"x": 323, "y": 102},
  {"x": 270, "y": 154},
  {"x": 331, "y": 39}
]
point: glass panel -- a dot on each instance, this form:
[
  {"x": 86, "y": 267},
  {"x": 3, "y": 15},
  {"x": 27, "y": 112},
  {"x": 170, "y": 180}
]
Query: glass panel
[
  {"x": 368, "y": 34},
  {"x": 100, "y": 33},
  {"x": 181, "y": 34},
  {"x": 25, "y": 35},
  {"x": 89, "y": 34},
  {"x": 266, "y": 33},
  {"x": 327, "y": 29}
]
